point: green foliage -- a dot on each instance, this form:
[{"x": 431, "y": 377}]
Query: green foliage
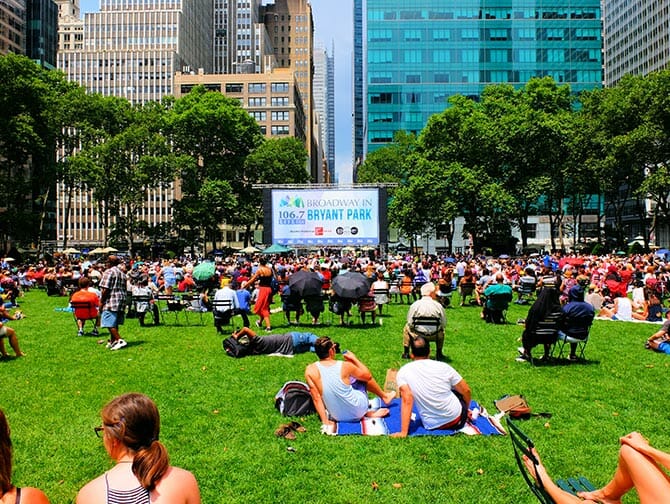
[{"x": 218, "y": 418}]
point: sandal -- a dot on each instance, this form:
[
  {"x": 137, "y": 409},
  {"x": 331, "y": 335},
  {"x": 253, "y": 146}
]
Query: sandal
[
  {"x": 296, "y": 427},
  {"x": 285, "y": 431}
]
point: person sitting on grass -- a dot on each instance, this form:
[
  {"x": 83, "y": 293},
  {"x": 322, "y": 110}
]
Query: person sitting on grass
[
  {"x": 640, "y": 467},
  {"x": 9, "y": 492},
  {"x": 287, "y": 344},
  {"x": 660, "y": 340},
  {"x": 10, "y": 334},
  {"x": 441, "y": 395},
  {"x": 142, "y": 473},
  {"x": 339, "y": 388}
]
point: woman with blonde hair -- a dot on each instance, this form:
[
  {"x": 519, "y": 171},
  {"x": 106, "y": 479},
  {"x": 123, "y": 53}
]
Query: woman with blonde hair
[
  {"x": 142, "y": 473},
  {"x": 8, "y": 492}
]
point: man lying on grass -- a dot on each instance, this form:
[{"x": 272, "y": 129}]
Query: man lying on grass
[{"x": 287, "y": 344}]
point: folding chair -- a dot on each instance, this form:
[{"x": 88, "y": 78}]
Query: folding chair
[
  {"x": 574, "y": 332},
  {"x": 496, "y": 306},
  {"x": 523, "y": 445},
  {"x": 219, "y": 307},
  {"x": 467, "y": 290},
  {"x": 146, "y": 305},
  {"x": 526, "y": 288},
  {"x": 428, "y": 327},
  {"x": 169, "y": 303},
  {"x": 547, "y": 330},
  {"x": 84, "y": 311},
  {"x": 383, "y": 294},
  {"x": 192, "y": 305}
]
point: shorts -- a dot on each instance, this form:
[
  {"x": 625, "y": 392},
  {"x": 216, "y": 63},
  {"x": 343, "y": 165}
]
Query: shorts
[
  {"x": 303, "y": 342},
  {"x": 663, "y": 347},
  {"x": 111, "y": 318}
]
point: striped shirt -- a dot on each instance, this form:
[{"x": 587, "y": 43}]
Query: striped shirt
[{"x": 139, "y": 495}]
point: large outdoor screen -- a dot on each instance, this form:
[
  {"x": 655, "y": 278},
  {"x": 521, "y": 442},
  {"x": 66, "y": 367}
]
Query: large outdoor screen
[{"x": 325, "y": 216}]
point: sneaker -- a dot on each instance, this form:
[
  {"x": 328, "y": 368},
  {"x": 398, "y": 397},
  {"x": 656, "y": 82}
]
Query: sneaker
[
  {"x": 108, "y": 345},
  {"x": 118, "y": 345},
  {"x": 522, "y": 358},
  {"x": 405, "y": 356},
  {"x": 95, "y": 332},
  {"x": 258, "y": 323},
  {"x": 80, "y": 332},
  {"x": 268, "y": 329},
  {"x": 521, "y": 350}
]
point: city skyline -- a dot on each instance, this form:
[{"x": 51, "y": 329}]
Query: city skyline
[{"x": 332, "y": 22}]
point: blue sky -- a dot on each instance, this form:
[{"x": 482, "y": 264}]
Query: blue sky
[{"x": 332, "y": 22}]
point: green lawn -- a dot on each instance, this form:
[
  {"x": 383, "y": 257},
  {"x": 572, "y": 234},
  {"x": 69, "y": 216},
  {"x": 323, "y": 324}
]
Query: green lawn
[{"x": 218, "y": 415}]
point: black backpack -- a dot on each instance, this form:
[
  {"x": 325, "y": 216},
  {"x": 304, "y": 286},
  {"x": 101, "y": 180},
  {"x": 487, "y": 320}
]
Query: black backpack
[
  {"x": 237, "y": 348},
  {"x": 294, "y": 399}
]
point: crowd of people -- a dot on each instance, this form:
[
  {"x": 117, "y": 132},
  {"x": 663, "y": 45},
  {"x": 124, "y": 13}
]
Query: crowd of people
[{"x": 579, "y": 288}]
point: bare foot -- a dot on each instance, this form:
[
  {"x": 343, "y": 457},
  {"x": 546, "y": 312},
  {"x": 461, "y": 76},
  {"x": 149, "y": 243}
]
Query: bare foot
[
  {"x": 381, "y": 412},
  {"x": 388, "y": 397},
  {"x": 21, "y": 354},
  {"x": 598, "y": 496}
]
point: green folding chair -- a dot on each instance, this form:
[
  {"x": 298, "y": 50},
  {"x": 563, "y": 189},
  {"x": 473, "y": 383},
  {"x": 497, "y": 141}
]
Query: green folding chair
[{"x": 523, "y": 445}]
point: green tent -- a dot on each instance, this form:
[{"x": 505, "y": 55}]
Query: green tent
[{"x": 276, "y": 249}]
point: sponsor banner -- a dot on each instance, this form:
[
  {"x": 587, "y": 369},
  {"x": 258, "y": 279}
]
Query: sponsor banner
[{"x": 325, "y": 216}]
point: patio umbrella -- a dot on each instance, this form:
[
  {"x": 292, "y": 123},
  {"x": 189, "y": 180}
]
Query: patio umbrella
[
  {"x": 305, "y": 283},
  {"x": 97, "y": 250},
  {"x": 109, "y": 250},
  {"x": 250, "y": 250},
  {"x": 351, "y": 285},
  {"x": 204, "y": 271},
  {"x": 662, "y": 252},
  {"x": 71, "y": 250},
  {"x": 503, "y": 256}
]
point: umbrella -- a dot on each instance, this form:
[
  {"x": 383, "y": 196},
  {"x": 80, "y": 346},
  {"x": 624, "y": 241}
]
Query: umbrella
[
  {"x": 97, "y": 250},
  {"x": 250, "y": 250},
  {"x": 9, "y": 259},
  {"x": 503, "y": 256},
  {"x": 305, "y": 283},
  {"x": 351, "y": 285},
  {"x": 662, "y": 252},
  {"x": 276, "y": 249},
  {"x": 109, "y": 250},
  {"x": 204, "y": 271},
  {"x": 71, "y": 250}
]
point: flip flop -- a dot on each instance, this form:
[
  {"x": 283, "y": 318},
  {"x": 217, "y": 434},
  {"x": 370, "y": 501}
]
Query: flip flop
[
  {"x": 285, "y": 431},
  {"x": 296, "y": 427}
]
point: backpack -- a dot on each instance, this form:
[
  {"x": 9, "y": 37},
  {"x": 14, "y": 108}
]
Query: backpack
[
  {"x": 294, "y": 399},
  {"x": 237, "y": 348}
]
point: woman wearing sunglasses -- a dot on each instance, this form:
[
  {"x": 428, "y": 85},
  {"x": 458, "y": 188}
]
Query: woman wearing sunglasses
[{"x": 142, "y": 473}]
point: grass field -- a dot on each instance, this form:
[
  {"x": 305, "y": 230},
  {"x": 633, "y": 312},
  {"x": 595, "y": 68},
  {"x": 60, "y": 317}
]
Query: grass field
[{"x": 218, "y": 416}]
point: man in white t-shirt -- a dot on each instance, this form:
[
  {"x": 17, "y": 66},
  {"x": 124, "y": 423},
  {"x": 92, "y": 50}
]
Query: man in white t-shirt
[{"x": 442, "y": 396}]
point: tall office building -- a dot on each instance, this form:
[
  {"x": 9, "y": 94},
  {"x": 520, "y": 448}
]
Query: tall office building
[
  {"x": 420, "y": 53},
  {"x": 13, "y": 26},
  {"x": 358, "y": 99},
  {"x": 42, "y": 32},
  {"x": 290, "y": 26},
  {"x": 637, "y": 37},
  {"x": 241, "y": 43},
  {"x": 324, "y": 104},
  {"x": 131, "y": 49}
]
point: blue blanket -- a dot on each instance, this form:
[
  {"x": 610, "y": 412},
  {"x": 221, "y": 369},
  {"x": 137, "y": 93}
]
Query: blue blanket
[{"x": 483, "y": 424}]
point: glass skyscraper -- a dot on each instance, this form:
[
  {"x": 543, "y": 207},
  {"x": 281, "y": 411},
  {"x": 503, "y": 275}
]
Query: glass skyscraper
[{"x": 418, "y": 53}]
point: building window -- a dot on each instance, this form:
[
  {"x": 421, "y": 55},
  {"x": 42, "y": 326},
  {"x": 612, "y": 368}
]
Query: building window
[
  {"x": 279, "y": 87},
  {"x": 257, "y": 87},
  {"x": 257, "y": 102},
  {"x": 279, "y": 130},
  {"x": 279, "y": 101},
  {"x": 282, "y": 115},
  {"x": 234, "y": 88},
  {"x": 531, "y": 231}
]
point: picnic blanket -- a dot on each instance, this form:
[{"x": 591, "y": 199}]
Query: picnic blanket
[{"x": 484, "y": 424}]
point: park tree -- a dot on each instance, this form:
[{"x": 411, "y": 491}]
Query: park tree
[
  {"x": 275, "y": 161},
  {"x": 34, "y": 103},
  {"x": 127, "y": 165},
  {"x": 612, "y": 119},
  {"x": 389, "y": 163},
  {"x": 218, "y": 134}
]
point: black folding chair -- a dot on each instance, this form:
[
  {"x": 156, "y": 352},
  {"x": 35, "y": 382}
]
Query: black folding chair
[
  {"x": 222, "y": 310},
  {"x": 523, "y": 446}
]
